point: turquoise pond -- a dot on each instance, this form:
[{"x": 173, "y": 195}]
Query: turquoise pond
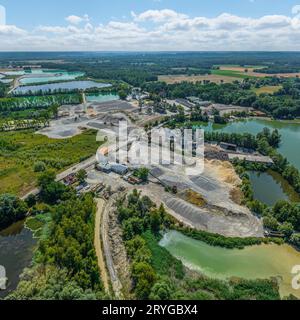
[
  {"x": 101, "y": 97},
  {"x": 64, "y": 86}
]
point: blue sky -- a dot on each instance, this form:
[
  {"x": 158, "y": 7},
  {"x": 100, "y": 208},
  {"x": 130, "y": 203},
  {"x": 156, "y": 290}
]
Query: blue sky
[
  {"x": 29, "y": 13},
  {"x": 151, "y": 25}
]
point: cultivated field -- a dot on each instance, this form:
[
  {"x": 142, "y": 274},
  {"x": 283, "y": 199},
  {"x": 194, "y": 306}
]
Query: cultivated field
[
  {"x": 171, "y": 79},
  {"x": 267, "y": 89},
  {"x": 238, "y": 70}
]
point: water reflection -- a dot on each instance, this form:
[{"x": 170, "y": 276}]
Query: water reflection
[{"x": 16, "y": 250}]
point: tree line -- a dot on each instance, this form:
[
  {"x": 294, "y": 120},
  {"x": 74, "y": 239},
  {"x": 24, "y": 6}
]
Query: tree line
[{"x": 285, "y": 104}]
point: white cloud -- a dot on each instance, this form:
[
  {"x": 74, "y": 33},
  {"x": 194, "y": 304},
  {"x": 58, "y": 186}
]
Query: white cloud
[
  {"x": 171, "y": 31},
  {"x": 52, "y": 29},
  {"x": 296, "y": 9},
  {"x": 76, "y": 19},
  {"x": 11, "y": 30},
  {"x": 158, "y": 15},
  {"x": 274, "y": 21}
]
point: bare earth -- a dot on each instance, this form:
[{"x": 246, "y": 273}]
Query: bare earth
[
  {"x": 218, "y": 185},
  {"x": 97, "y": 244},
  {"x": 239, "y": 69}
]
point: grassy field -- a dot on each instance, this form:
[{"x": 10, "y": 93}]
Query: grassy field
[
  {"x": 225, "y": 74},
  {"x": 232, "y": 73},
  {"x": 267, "y": 89},
  {"x": 20, "y": 150},
  {"x": 236, "y": 70},
  {"x": 239, "y": 68}
]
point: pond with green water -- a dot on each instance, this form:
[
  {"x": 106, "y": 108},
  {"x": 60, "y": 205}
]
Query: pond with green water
[
  {"x": 269, "y": 187},
  {"x": 255, "y": 262},
  {"x": 101, "y": 97}
]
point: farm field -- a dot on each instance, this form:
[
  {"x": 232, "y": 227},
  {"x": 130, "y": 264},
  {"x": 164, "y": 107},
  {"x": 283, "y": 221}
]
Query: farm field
[
  {"x": 233, "y": 73},
  {"x": 225, "y": 74},
  {"x": 171, "y": 79},
  {"x": 267, "y": 89},
  {"x": 241, "y": 71},
  {"x": 21, "y": 150},
  {"x": 239, "y": 68}
]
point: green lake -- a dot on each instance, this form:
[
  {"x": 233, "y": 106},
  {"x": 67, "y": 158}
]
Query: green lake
[
  {"x": 44, "y": 75},
  {"x": 101, "y": 97},
  {"x": 269, "y": 187},
  {"x": 255, "y": 262},
  {"x": 290, "y": 134}
]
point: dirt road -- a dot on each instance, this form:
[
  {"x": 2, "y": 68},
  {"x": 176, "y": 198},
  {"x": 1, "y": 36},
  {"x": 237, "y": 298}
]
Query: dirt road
[
  {"x": 115, "y": 281},
  {"x": 97, "y": 244}
]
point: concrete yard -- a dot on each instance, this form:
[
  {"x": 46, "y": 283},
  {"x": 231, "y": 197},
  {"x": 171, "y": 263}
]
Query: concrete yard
[{"x": 72, "y": 125}]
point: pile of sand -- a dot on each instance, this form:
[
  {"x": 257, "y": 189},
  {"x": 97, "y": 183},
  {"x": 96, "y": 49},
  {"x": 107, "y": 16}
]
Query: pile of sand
[
  {"x": 193, "y": 197},
  {"x": 223, "y": 171}
]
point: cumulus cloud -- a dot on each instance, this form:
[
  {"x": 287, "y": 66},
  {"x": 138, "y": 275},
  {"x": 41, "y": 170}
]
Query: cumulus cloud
[
  {"x": 76, "y": 19},
  {"x": 158, "y": 15},
  {"x": 169, "y": 30},
  {"x": 11, "y": 30},
  {"x": 296, "y": 9},
  {"x": 52, "y": 29}
]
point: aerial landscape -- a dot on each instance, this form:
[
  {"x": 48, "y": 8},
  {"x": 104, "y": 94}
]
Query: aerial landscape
[{"x": 91, "y": 212}]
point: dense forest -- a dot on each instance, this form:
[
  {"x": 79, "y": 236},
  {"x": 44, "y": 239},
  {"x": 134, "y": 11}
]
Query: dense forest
[
  {"x": 65, "y": 264},
  {"x": 12, "y": 209},
  {"x": 138, "y": 68},
  {"x": 169, "y": 59},
  {"x": 2, "y": 89}
]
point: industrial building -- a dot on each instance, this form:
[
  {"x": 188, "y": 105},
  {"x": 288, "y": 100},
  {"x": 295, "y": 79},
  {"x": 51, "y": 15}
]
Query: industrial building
[{"x": 107, "y": 167}]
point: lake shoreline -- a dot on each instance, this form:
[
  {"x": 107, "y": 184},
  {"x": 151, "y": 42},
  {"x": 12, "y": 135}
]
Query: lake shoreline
[
  {"x": 263, "y": 261},
  {"x": 17, "y": 247}
]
